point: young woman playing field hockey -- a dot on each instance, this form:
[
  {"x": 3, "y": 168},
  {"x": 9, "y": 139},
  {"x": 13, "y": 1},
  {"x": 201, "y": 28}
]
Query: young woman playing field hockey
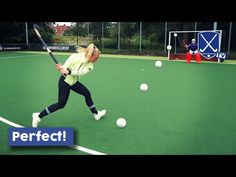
[{"x": 76, "y": 65}]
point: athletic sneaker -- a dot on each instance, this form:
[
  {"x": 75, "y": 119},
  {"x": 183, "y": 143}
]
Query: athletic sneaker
[
  {"x": 36, "y": 119},
  {"x": 100, "y": 114}
]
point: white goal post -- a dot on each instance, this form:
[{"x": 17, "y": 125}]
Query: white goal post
[{"x": 175, "y": 35}]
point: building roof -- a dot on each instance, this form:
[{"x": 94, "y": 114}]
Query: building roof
[{"x": 60, "y": 29}]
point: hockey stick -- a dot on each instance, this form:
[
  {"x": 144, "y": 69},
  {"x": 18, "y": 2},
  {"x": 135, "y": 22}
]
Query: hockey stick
[
  {"x": 185, "y": 44},
  {"x": 45, "y": 45}
]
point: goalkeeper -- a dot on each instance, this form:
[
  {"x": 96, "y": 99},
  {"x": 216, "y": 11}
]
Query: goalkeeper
[
  {"x": 192, "y": 51},
  {"x": 76, "y": 65}
]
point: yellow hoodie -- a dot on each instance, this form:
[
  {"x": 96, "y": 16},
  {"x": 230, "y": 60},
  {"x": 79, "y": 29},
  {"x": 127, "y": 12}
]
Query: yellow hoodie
[{"x": 78, "y": 65}]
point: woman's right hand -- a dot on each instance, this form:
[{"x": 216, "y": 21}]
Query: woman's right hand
[
  {"x": 61, "y": 69},
  {"x": 64, "y": 71},
  {"x": 59, "y": 66}
]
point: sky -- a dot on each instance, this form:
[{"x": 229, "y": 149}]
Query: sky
[{"x": 62, "y": 23}]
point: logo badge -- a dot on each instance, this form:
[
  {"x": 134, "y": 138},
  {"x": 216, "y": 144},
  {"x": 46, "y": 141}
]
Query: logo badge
[{"x": 208, "y": 44}]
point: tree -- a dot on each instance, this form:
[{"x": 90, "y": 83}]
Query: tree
[
  {"x": 14, "y": 32},
  {"x": 96, "y": 30},
  {"x": 128, "y": 29},
  {"x": 45, "y": 30},
  {"x": 154, "y": 32},
  {"x": 79, "y": 29}
]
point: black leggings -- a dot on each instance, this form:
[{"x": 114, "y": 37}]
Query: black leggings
[{"x": 63, "y": 95}]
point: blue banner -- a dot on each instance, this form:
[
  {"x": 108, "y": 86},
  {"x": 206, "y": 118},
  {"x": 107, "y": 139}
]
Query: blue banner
[
  {"x": 40, "y": 137},
  {"x": 208, "y": 44}
]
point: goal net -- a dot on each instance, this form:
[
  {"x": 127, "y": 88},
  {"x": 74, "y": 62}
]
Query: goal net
[{"x": 208, "y": 41}]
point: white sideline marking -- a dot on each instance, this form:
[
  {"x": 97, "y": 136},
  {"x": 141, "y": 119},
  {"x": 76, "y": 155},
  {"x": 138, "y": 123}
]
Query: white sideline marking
[
  {"x": 80, "y": 148},
  {"x": 10, "y": 123},
  {"x": 89, "y": 151}
]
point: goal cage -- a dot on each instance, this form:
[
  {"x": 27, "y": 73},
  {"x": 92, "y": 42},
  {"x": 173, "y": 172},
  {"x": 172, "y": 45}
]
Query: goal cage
[{"x": 177, "y": 40}]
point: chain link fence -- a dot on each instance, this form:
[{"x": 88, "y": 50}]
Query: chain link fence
[
  {"x": 142, "y": 38},
  {"x": 148, "y": 38}
]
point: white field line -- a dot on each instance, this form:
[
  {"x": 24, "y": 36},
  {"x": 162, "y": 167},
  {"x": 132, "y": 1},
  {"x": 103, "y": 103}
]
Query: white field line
[
  {"x": 80, "y": 148},
  {"x": 22, "y": 56}
]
